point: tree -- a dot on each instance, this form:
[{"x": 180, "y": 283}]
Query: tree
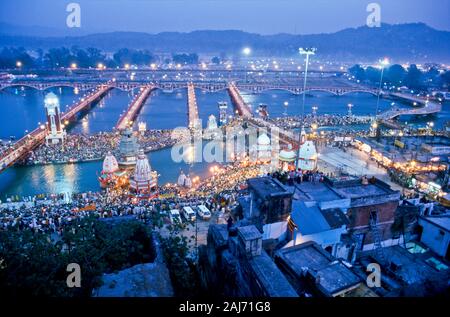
[
  {"x": 358, "y": 72},
  {"x": 185, "y": 58},
  {"x": 215, "y": 60},
  {"x": 445, "y": 79},
  {"x": 373, "y": 74},
  {"x": 34, "y": 265},
  {"x": 10, "y": 56},
  {"x": 414, "y": 77},
  {"x": 396, "y": 74}
]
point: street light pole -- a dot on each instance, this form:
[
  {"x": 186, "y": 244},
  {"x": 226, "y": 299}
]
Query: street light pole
[
  {"x": 307, "y": 52},
  {"x": 375, "y": 125}
]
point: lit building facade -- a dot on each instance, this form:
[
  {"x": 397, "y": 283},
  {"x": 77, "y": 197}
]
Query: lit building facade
[
  {"x": 144, "y": 180},
  {"x": 128, "y": 149},
  {"x": 56, "y": 133}
]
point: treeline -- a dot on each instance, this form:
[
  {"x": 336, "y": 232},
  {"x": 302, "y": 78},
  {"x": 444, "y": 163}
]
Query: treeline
[
  {"x": 11, "y": 57},
  {"x": 31, "y": 264},
  {"x": 396, "y": 75}
]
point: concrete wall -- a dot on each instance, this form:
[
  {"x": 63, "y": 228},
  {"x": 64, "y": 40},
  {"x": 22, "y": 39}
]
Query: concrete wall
[{"x": 433, "y": 239}]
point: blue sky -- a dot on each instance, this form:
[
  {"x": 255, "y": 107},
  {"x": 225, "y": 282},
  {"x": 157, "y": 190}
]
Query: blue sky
[{"x": 259, "y": 16}]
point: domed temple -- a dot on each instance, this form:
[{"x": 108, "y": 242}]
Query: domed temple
[
  {"x": 128, "y": 148},
  {"x": 212, "y": 128},
  {"x": 264, "y": 148},
  {"x": 307, "y": 156},
  {"x": 110, "y": 175},
  {"x": 287, "y": 158},
  {"x": 144, "y": 180}
]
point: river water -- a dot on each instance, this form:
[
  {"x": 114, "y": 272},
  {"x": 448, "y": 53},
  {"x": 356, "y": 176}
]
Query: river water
[{"x": 22, "y": 109}]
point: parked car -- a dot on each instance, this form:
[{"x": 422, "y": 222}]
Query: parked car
[
  {"x": 204, "y": 212},
  {"x": 175, "y": 217},
  {"x": 188, "y": 213}
]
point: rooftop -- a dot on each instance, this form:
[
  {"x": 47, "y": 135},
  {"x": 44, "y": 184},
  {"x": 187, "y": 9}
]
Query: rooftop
[
  {"x": 249, "y": 233},
  {"x": 311, "y": 219},
  {"x": 410, "y": 268},
  {"x": 332, "y": 277},
  {"x": 338, "y": 189},
  {"x": 441, "y": 221},
  {"x": 267, "y": 187}
]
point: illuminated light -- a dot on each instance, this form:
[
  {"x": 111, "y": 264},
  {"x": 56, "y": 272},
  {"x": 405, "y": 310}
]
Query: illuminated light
[
  {"x": 100, "y": 66},
  {"x": 247, "y": 51},
  {"x": 19, "y": 64},
  {"x": 385, "y": 61},
  {"x": 73, "y": 66},
  {"x": 153, "y": 66},
  {"x": 127, "y": 66},
  {"x": 42, "y": 126}
]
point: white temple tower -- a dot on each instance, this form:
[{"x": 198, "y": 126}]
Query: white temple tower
[
  {"x": 223, "y": 107},
  {"x": 110, "y": 164},
  {"x": 287, "y": 158},
  {"x": 212, "y": 128},
  {"x": 56, "y": 131},
  {"x": 181, "y": 179},
  {"x": 144, "y": 180},
  {"x": 110, "y": 167},
  {"x": 307, "y": 156},
  {"x": 212, "y": 123},
  {"x": 264, "y": 148}
]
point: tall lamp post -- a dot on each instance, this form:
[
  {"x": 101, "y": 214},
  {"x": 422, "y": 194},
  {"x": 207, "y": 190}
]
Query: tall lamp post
[
  {"x": 246, "y": 51},
  {"x": 384, "y": 62},
  {"x": 307, "y": 52}
]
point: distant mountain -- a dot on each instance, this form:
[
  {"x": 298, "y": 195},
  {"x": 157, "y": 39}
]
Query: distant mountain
[
  {"x": 402, "y": 42},
  {"x": 39, "y": 31}
]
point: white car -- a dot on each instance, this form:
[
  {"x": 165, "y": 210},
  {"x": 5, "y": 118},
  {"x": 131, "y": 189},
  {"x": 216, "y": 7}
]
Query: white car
[
  {"x": 188, "y": 213},
  {"x": 174, "y": 215},
  {"x": 204, "y": 212}
]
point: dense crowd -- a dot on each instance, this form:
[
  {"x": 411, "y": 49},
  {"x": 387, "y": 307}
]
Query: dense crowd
[
  {"x": 327, "y": 120},
  {"x": 229, "y": 178},
  {"x": 51, "y": 216},
  {"x": 76, "y": 147},
  {"x": 80, "y": 147}
]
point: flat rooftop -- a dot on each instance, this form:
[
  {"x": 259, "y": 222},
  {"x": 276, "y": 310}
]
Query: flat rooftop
[
  {"x": 360, "y": 190},
  {"x": 441, "y": 221},
  {"x": 305, "y": 255},
  {"x": 333, "y": 276},
  {"x": 409, "y": 268},
  {"x": 309, "y": 191},
  {"x": 267, "y": 187},
  {"x": 330, "y": 190}
]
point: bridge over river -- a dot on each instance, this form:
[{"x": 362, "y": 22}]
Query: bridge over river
[{"x": 423, "y": 107}]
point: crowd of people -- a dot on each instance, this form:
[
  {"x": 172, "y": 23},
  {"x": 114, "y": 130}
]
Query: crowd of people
[
  {"x": 76, "y": 148},
  {"x": 51, "y": 215},
  {"x": 327, "y": 120},
  {"x": 299, "y": 176},
  {"x": 231, "y": 177},
  {"x": 80, "y": 147}
]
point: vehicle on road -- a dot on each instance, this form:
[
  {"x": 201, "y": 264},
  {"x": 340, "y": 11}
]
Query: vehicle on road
[
  {"x": 175, "y": 217},
  {"x": 203, "y": 212},
  {"x": 188, "y": 213}
]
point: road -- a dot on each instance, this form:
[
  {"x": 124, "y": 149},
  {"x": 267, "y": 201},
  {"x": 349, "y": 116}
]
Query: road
[{"x": 353, "y": 162}]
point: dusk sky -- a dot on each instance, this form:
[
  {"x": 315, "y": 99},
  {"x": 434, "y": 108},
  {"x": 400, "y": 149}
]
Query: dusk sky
[{"x": 259, "y": 16}]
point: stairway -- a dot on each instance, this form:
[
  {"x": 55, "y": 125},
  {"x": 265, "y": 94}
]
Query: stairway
[{"x": 376, "y": 234}]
